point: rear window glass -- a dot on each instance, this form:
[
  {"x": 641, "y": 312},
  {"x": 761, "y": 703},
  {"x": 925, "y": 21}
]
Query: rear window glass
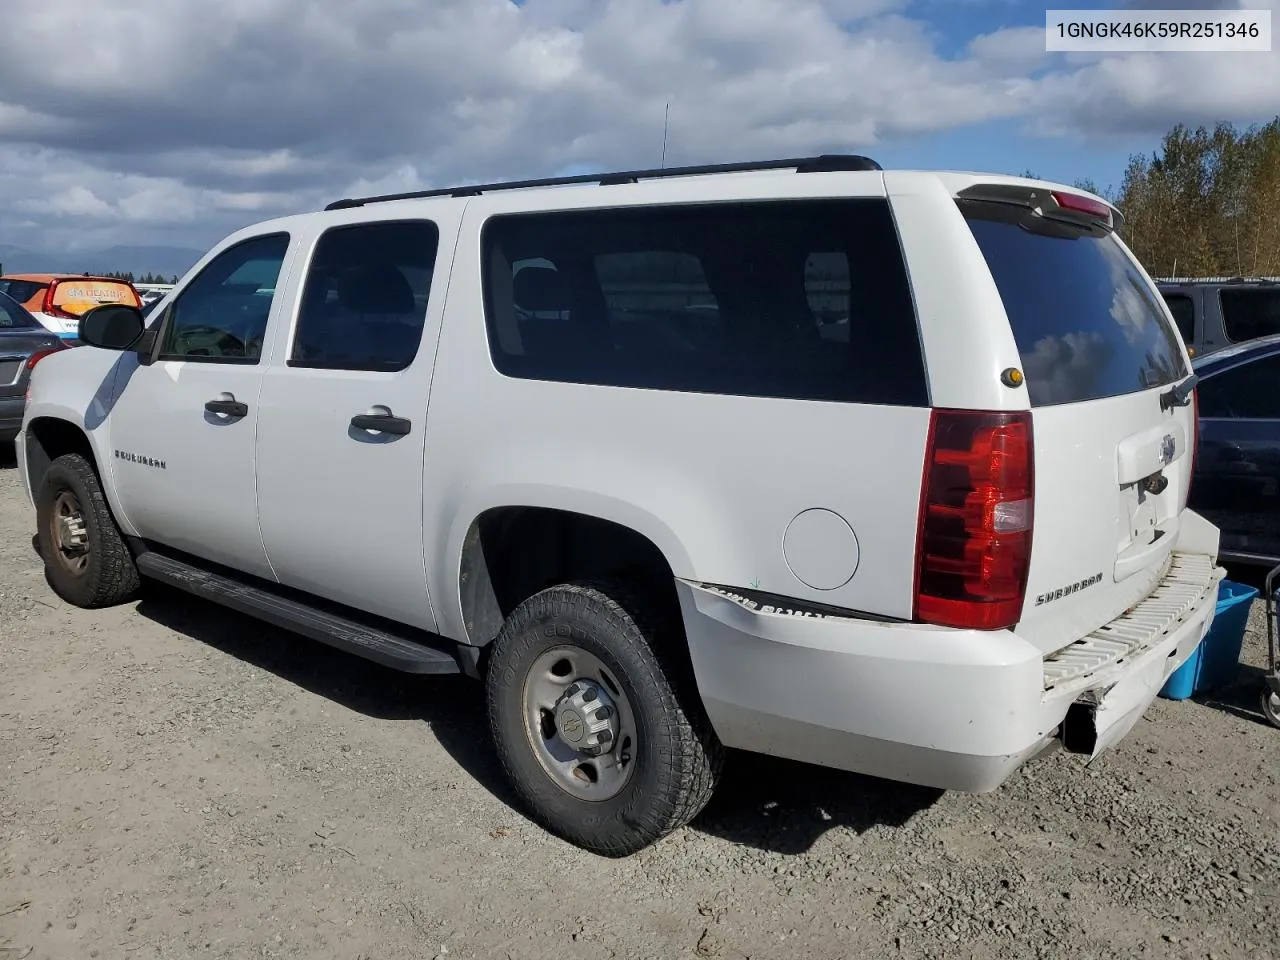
[
  {"x": 1250, "y": 313},
  {"x": 82, "y": 294},
  {"x": 799, "y": 299},
  {"x": 1184, "y": 315},
  {"x": 1087, "y": 324}
]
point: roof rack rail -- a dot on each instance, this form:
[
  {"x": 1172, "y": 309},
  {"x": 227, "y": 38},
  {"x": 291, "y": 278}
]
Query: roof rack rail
[
  {"x": 1261, "y": 281},
  {"x": 824, "y": 163}
]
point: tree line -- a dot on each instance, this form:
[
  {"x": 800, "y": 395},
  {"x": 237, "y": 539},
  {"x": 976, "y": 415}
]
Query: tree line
[
  {"x": 1205, "y": 204},
  {"x": 145, "y": 278}
]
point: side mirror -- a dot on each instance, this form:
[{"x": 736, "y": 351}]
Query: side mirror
[{"x": 111, "y": 326}]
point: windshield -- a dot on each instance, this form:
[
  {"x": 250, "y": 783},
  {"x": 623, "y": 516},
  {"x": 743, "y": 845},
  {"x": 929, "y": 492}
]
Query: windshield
[
  {"x": 1087, "y": 323},
  {"x": 13, "y": 316}
]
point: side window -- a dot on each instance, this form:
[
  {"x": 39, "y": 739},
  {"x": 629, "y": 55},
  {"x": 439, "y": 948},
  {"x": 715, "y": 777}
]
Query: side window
[
  {"x": 221, "y": 316},
  {"x": 1184, "y": 315},
  {"x": 1247, "y": 391},
  {"x": 364, "y": 304},
  {"x": 746, "y": 299},
  {"x": 657, "y": 300},
  {"x": 826, "y": 286},
  {"x": 14, "y": 317},
  {"x": 24, "y": 291},
  {"x": 1250, "y": 313}
]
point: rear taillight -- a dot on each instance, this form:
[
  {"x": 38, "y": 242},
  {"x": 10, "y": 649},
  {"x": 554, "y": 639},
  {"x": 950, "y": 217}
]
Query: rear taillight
[
  {"x": 1078, "y": 204},
  {"x": 1195, "y": 442},
  {"x": 49, "y": 308},
  {"x": 976, "y": 507}
]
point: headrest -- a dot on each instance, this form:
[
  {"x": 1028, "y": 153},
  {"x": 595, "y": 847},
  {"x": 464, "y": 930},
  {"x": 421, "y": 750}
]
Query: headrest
[
  {"x": 540, "y": 289},
  {"x": 375, "y": 288}
]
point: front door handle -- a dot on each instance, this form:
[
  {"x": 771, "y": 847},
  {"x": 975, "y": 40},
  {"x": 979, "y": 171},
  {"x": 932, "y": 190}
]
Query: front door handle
[
  {"x": 382, "y": 422},
  {"x": 232, "y": 408}
]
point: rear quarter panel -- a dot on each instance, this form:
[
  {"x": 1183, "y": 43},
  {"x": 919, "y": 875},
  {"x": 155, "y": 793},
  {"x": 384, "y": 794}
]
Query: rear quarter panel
[
  {"x": 713, "y": 481},
  {"x": 964, "y": 330}
]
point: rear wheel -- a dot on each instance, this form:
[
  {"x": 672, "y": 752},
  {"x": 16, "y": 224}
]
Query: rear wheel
[
  {"x": 1271, "y": 706},
  {"x": 86, "y": 560},
  {"x": 595, "y": 718}
]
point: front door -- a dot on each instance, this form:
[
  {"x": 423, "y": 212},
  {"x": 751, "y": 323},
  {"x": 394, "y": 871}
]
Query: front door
[
  {"x": 342, "y": 418},
  {"x": 182, "y": 426}
]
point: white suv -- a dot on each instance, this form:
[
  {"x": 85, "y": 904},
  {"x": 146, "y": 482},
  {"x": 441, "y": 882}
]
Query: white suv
[{"x": 880, "y": 470}]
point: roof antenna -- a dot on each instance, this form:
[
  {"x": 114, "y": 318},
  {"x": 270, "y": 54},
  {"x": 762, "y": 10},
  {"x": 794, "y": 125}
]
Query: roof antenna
[{"x": 666, "y": 115}]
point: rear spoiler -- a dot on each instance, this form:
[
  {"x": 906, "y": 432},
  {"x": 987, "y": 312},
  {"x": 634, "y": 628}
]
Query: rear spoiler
[{"x": 1062, "y": 205}]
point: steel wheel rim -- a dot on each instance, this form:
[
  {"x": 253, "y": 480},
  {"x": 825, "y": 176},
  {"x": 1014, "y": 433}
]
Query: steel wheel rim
[
  {"x": 1271, "y": 706},
  {"x": 553, "y": 689},
  {"x": 69, "y": 534}
]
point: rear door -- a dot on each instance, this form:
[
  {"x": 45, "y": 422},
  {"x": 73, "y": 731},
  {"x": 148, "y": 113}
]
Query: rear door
[
  {"x": 1112, "y": 463},
  {"x": 343, "y": 416}
]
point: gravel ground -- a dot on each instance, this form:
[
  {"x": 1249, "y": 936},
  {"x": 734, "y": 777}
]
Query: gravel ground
[{"x": 179, "y": 781}]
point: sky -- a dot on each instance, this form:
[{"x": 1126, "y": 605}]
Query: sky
[{"x": 174, "y": 122}]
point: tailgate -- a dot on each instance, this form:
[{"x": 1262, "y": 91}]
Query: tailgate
[
  {"x": 1112, "y": 438},
  {"x": 1111, "y": 479}
]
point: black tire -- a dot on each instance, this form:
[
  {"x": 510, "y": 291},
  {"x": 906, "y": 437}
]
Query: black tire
[
  {"x": 104, "y": 574},
  {"x": 677, "y": 758},
  {"x": 1270, "y": 706}
]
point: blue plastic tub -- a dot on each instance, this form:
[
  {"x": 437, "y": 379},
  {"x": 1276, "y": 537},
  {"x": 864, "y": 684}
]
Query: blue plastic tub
[{"x": 1215, "y": 662}]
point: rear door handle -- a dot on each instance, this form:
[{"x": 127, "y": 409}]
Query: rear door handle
[
  {"x": 232, "y": 408},
  {"x": 382, "y": 422}
]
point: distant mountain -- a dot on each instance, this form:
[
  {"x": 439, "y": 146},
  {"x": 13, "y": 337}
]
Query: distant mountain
[{"x": 139, "y": 260}]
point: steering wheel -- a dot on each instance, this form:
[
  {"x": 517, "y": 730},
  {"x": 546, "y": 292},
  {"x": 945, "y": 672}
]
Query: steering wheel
[{"x": 226, "y": 344}]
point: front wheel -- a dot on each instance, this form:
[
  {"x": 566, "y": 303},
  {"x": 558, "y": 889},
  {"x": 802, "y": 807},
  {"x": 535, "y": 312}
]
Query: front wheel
[
  {"x": 86, "y": 560},
  {"x": 595, "y": 718}
]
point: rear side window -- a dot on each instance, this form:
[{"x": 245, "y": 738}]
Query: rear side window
[
  {"x": 14, "y": 317},
  {"x": 22, "y": 290},
  {"x": 804, "y": 299},
  {"x": 365, "y": 300},
  {"x": 1087, "y": 323},
  {"x": 1184, "y": 315},
  {"x": 1250, "y": 313}
]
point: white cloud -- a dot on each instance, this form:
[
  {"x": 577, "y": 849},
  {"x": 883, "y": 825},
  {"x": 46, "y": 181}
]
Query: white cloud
[
  {"x": 183, "y": 117},
  {"x": 1024, "y": 46},
  {"x": 74, "y": 201}
]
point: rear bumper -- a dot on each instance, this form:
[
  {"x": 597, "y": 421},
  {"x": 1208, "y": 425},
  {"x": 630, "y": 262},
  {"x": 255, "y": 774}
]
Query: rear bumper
[{"x": 953, "y": 709}]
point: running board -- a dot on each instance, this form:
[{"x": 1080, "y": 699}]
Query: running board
[{"x": 371, "y": 643}]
